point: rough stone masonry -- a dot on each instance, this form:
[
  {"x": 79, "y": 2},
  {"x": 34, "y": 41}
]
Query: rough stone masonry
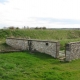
[
  {"x": 47, "y": 47},
  {"x": 72, "y": 51}
]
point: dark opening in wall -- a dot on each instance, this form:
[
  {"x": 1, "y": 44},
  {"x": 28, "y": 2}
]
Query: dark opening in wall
[{"x": 47, "y": 44}]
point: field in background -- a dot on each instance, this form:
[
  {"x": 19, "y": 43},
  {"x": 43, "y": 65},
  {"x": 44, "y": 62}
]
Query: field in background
[
  {"x": 63, "y": 36},
  {"x": 37, "y": 66}
]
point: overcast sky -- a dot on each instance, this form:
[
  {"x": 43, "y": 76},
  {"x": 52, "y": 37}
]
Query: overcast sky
[{"x": 32, "y": 13}]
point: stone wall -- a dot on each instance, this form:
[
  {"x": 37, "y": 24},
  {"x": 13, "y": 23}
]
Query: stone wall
[
  {"x": 72, "y": 51},
  {"x": 48, "y": 47},
  {"x": 21, "y": 44}
]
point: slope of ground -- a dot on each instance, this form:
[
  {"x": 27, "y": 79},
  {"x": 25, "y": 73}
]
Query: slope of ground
[
  {"x": 63, "y": 36},
  {"x": 37, "y": 66}
]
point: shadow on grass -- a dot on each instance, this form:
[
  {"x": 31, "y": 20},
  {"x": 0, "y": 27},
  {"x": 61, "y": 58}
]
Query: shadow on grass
[
  {"x": 45, "y": 57},
  {"x": 42, "y": 55}
]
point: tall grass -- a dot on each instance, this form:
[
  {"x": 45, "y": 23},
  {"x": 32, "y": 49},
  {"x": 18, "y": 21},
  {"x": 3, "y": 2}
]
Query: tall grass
[{"x": 63, "y": 36}]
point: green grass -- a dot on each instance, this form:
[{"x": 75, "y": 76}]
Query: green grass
[
  {"x": 36, "y": 66},
  {"x": 41, "y": 34},
  {"x": 63, "y": 36}
]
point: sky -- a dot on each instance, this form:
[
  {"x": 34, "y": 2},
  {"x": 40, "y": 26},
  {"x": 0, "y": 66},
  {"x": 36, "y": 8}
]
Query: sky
[{"x": 40, "y": 13}]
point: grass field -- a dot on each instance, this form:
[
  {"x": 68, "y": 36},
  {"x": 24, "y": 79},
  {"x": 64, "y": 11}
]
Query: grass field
[
  {"x": 37, "y": 66},
  {"x": 63, "y": 36}
]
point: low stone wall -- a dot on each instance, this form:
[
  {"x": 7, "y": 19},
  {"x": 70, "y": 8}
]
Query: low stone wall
[
  {"x": 21, "y": 44},
  {"x": 72, "y": 51},
  {"x": 48, "y": 47}
]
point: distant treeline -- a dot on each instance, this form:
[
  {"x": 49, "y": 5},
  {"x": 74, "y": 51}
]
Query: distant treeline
[{"x": 12, "y": 27}]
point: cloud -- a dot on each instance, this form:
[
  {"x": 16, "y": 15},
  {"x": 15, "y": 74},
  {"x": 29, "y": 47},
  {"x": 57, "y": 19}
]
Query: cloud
[
  {"x": 65, "y": 21},
  {"x": 49, "y": 13}
]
